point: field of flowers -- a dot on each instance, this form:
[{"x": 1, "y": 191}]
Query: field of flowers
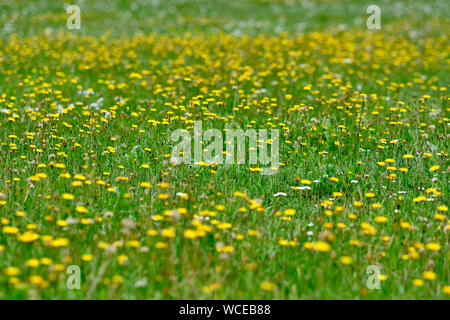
[{"x": 358, "y": 208}]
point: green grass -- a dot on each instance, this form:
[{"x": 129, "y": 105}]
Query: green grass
[{"x": 344, "y": 98}]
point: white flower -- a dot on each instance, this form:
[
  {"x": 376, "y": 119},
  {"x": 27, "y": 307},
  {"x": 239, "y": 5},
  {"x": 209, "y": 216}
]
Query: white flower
[
  {"x": 280, "y": 194},
  {"x": 141, "y": 283},
  {"x": 301, "y": 188}
]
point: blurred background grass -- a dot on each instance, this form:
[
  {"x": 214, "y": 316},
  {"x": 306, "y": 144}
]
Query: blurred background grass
[{"x": 123, "y": 17}]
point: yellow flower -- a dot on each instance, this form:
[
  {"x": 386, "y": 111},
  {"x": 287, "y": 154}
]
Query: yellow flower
[
  {"x": 446, "y": 289},
  {"x": 38, "y": 281},
  {"x": 133, "y": 243},
  {"x": 420, "y": 199},
  {"x": 122, "y": 259},
  {"x": 357, "y": 204},
  {"x": 12, "y": 271},
  {"x": 168, "y": 233},
  {"x": 163, "y": 185},
  {"x": 79, "y": 177},
  {"x": 102, "y": 245},
  {"x": 434, "y": 168},
  {"x": 33, "y": 263},
  {"x": 367, "y": 228},
  {"x": 214, "y": 286},
  {"x": 321, "y": 246},
  {"x": 87, "y": 257},
  {"x": 20, "y": 213},
  {"x": 117, "y": 279},
  {"x": 418, "y": 282},
  {"x": 225, "y": 249},
  {"x": 405, "y": 224},
  {"x": 382, "y": 277},
  {"x": 433, "y": 246},
  {"x": 61, "y": 223},
  {"x": 145, "y": 185},
  {"x": 60, "y": 242},
  {"x": 10, "y": 230},
  {"x": 224, "y": 225},
  {"x": 67, "y": 196},
  {"x": 345, "y": 260},
  {"x": 380, "y": 219},
  {"x": 289, "y": 212},
  {"x": 81, "y": 209},
  {"x": 28, "y": 237},
  {"x": 59, "y": 267},
  {"x": 429, "y": 275},
  {"x": 190, "y": 234},
  {"x": 267, "y": 286}
]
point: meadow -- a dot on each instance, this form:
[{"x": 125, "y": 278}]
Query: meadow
[{"x": 358, "y": 208}]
